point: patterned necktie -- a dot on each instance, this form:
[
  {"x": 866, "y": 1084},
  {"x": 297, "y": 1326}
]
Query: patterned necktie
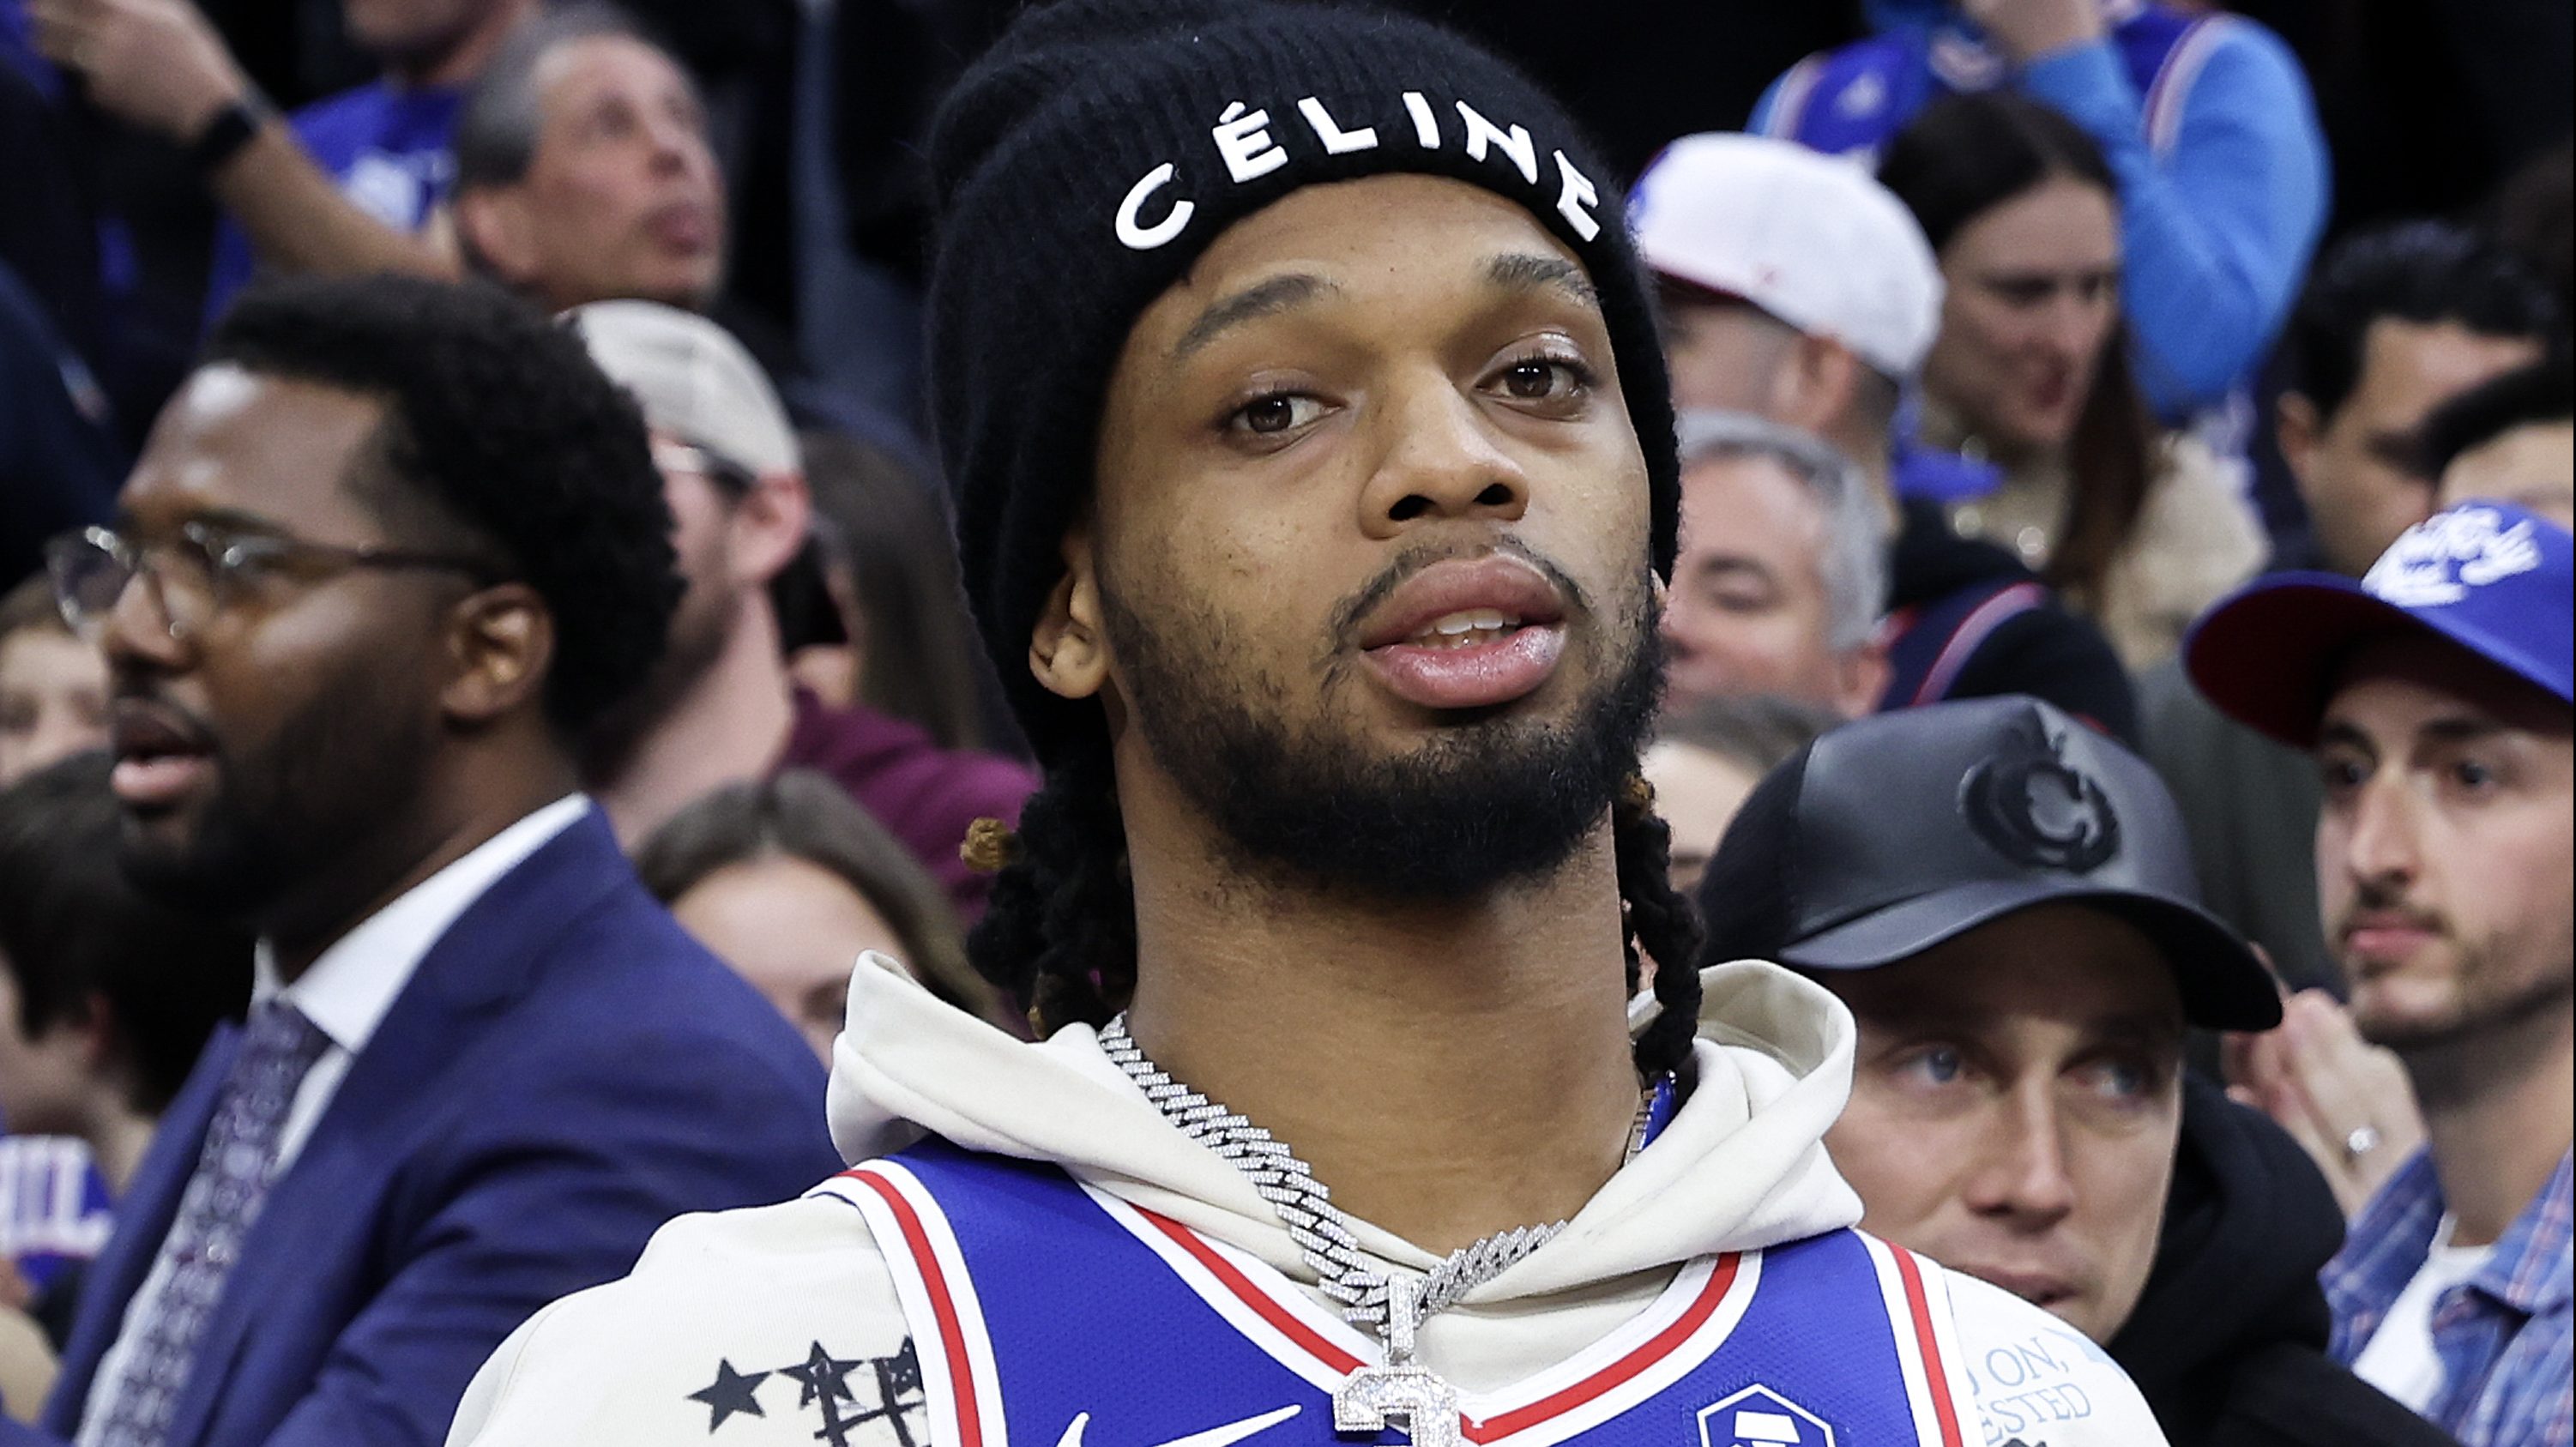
[{"x": 222, "y": 1200}]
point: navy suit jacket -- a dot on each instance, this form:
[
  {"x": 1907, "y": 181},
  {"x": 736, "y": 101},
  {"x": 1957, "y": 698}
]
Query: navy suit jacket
[{"x": 567, "y": 1071}]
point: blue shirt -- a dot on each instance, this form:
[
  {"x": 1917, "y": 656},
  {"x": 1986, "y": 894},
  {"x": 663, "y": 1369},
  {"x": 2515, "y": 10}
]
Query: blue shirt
[
  {"x": 387, "y": 147},
  {"x": 2209, "y": 129},
  {"x": 2503, "y": 1335}
]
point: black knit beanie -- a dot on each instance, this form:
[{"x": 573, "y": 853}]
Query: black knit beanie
[{"x": 1097, "y": 150}]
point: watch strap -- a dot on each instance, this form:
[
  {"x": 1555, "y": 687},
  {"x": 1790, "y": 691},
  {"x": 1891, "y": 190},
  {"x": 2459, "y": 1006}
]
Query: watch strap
[{"x": 233, "y": 127}]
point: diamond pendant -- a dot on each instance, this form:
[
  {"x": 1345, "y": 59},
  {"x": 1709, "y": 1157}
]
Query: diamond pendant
[{"x": 1372, "y": 1399}]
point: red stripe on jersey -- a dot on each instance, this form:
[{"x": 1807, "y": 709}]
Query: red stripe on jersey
[
  {"x": 1656, "y": 1349},
  {"x": 961, "y": 1371},
  {"x": 1252, "y": 1296},
  {"x": 1693, "y": 1317},
  {"x": 1934, "y": 1376}
]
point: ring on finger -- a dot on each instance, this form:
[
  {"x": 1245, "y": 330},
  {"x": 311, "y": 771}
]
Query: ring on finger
[{"x": 2360, "y": 1141}]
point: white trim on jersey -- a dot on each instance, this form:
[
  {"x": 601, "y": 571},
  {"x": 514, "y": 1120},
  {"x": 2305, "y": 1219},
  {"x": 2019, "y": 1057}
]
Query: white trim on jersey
[
  {"x": 936, "y": 1293},
  {"x": 1922, "y": 1393}
]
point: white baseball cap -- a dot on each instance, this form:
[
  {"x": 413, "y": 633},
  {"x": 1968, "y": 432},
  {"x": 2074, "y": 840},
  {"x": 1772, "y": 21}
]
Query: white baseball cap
[
  {"x": 1812, "y": 239},
  {"x": 693, "y": 380}
]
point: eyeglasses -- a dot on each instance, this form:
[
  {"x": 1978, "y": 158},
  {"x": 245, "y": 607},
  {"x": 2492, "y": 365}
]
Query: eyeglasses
[{"x": 203, "y": 570}]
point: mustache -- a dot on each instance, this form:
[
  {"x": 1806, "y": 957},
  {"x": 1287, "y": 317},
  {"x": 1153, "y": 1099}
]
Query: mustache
[
  {"x": 128, "y": 693},
  {"x": 2383, "y": 901},
  {"x": 1348, "y": 613}
]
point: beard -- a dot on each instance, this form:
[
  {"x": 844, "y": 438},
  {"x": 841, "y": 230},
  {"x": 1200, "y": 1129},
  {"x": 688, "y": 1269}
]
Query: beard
[
  {"x": 2489, "y": 1000},
  {"x": 700, "y": 628},
  {"x": 312, "y": 797},
  {"x": 1493, "y": 799}
]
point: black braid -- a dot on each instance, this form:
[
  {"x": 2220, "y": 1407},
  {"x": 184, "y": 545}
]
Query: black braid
[
  {"x": 1662, "y": 924},
  {"x": 1059, "y": 932}
]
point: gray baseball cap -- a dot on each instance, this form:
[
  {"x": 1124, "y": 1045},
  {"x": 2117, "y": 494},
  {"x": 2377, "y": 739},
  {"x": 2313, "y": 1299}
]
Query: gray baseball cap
[
  {"x": 1895, "y": 833},
  {"x": 693, "y": 380}
]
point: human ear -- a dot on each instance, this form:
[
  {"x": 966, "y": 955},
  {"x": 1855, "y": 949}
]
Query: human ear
[
  {"x": 1814, "y": 384},
  {"x": 502, "y": 643},
  {"x": 769, "y": 524},
  {"x": 1069, "y": 648},
  {"x": 495, "y": 226},
  {"x": 2295, "y": 427}
]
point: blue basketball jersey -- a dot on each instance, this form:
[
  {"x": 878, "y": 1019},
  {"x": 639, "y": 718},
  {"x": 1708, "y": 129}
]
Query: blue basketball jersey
[{"x": 1051, "y": 1314}]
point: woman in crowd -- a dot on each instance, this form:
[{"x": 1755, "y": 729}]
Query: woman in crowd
[
  {"x": 2032, "y": 373},
  {"x": 788, "y": 880},
  {"x": 890, "y": 630}
]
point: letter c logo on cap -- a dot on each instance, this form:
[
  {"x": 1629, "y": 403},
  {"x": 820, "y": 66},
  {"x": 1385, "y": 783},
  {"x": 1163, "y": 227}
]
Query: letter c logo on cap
[{"x": 1137, "y": 237}]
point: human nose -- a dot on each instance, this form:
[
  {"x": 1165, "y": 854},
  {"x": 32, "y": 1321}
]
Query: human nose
[
  {"x": 678, "y": 145},
  {"x": 2075, "y": 324},
  {"x": 2022, "y": 1172},
  {"x": 1440, "y": 462},
  {"x": 139, "y": 627},
  {"x": 2380, "y": 845}
]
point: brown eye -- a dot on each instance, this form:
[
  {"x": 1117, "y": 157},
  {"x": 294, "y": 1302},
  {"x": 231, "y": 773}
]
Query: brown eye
[
  {"x": 1543, "y": 379},
  {"x": 1531, "y": 381},
  {"x": 1277, "y": 413}
]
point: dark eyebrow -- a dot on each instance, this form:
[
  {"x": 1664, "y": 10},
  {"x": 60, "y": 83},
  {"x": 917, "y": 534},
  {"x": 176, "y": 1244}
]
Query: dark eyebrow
[
  {"x": 1263, "y": 298},
  {"x": 1717, "y": 563},
  {"x": 1522, "y": 271},
  {"x": 2462, "y": 729},
  {"x": 2337, "y": 732}
]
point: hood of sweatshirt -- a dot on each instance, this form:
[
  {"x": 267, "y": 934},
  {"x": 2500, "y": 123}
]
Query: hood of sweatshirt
[
  {"x": 1741, "y": 1165},
  {"x": 2248, "y": 1222}
]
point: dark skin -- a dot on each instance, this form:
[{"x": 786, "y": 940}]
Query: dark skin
[
  {"x": 423, "y": 660},
  {"x": 1439, "y": 379}
]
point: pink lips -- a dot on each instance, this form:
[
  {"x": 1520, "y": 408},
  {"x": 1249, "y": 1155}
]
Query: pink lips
[
  {"x": 1480, "y": 672},
  {"x": 2386, "y": 937},
  {"x": 159, "y": 758}
]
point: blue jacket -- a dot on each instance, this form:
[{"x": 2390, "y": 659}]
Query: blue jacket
[
  {"x": 566, "y": 1072},
  {"x": 2209, "y": 128}
]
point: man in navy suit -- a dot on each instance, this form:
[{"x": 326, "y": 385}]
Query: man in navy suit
[{"x": 390, "y": 550}]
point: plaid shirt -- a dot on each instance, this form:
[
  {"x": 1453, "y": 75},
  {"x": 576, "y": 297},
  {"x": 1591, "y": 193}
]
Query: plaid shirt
[{"x": 2503, "y": 1335}]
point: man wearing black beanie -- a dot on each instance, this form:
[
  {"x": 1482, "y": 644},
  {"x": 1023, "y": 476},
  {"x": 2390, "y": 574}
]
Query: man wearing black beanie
[{"x": 1315, "y": 491}]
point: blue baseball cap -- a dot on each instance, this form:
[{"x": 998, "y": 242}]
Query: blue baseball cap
[{"x": 2488, "y": 576}]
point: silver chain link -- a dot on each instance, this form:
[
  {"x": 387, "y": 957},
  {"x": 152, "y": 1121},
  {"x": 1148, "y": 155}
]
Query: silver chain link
[{"x": 1305, "y": 1205}]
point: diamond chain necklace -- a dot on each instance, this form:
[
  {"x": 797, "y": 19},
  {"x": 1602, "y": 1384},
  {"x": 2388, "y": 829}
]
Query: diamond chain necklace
[{"x": 1304, "y": 1204}]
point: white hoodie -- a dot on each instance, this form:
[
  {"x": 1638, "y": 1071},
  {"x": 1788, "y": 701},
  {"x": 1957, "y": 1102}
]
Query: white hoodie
[{"x": 740, "y": 1328}]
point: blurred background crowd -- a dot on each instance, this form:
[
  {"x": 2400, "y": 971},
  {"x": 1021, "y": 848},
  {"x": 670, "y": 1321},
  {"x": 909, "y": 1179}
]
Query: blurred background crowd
[{"x": 2008, "y": 337}]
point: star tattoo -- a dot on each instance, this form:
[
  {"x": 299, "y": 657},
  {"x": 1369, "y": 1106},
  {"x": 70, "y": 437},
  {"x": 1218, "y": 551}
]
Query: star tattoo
[
  {"x": 822, "y": 1375},
  {"x": 733, "y": 1392}
]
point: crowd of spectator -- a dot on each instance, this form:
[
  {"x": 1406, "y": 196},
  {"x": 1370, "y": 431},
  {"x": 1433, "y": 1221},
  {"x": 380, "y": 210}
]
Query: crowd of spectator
[{"x": 523, "y": 567}]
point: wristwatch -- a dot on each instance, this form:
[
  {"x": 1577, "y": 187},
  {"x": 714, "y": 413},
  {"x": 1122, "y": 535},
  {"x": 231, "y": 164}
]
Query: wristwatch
[{"x": 222, "y": 138}]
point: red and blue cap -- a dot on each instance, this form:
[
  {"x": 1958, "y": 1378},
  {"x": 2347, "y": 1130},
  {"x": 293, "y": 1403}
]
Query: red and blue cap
[{"x": 2488, "y": 576}]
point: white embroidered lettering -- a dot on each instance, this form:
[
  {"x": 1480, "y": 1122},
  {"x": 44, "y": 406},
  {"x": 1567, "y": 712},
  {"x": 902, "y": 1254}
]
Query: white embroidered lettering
[
  {"x": 1244, "y": 141},
  {"x": 1576, "y": 193},
  {"x": 1515, "y": 142},
  {"x": 1336, "y": 140},
  {"x": 1136, "y": 237},
  {"x": 1426, "y": 122}
]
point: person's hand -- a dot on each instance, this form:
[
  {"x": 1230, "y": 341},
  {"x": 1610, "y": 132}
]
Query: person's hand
[
  {"x": 2028, "y": 29},
  {"x": 27, "y": 1365},
  {"x": 2345, "y": 1100},
  {"x": 156, "y": 64}
]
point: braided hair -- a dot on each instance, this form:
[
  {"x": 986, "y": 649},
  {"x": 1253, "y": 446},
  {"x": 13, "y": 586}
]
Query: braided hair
[{"x": 1059, "y": 931}]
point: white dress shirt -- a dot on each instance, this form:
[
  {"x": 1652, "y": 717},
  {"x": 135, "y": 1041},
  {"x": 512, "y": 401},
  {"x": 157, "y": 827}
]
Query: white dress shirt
[{"x": 345, "y": 993}]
